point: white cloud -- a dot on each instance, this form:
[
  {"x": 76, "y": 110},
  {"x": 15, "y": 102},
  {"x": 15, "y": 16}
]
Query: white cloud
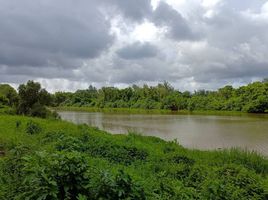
[
  {"x": 264, "y": 8},
  {"x": 209, "y": 4}
]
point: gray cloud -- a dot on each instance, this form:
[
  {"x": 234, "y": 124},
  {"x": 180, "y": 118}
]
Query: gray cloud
[
  {"x": 38, "y": 33},
  {"x": 137, "y": 50},
  {"x": 135, "y": 10},
  {"x": 178, "y": 27},
  {"x": 247, "y": 4},
  {"x": 76, "y": 43}
]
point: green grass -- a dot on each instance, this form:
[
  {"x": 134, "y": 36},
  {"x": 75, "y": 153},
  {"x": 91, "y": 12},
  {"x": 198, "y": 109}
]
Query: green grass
[{"x": 54, "y": 159}]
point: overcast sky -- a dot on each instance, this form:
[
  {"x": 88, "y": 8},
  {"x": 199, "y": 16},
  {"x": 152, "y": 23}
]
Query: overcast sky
[{"x": 193, "y": 44}]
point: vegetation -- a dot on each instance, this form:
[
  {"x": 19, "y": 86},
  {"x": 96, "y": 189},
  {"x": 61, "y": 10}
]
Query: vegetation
[
  {"x": 51, "y": 159},
  {"x": 252, "y": 98},
  {"x": 48, "y": 159},
  {"x": 32, "y": 100},
  {"x": 8, "y": 95}
]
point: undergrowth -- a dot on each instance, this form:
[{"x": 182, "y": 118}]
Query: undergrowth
[{"x": 53, "y": 159}]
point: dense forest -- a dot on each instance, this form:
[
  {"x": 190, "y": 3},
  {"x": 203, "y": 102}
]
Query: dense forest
[
  {"x": 252, "y": 98},
  {"x": 32, "y": 100}
]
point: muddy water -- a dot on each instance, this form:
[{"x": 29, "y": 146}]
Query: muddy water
[{"x": 192, "y": 131}]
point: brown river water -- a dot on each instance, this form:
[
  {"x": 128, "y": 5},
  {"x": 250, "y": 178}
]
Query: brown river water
[{"x": 192, "y": 131}]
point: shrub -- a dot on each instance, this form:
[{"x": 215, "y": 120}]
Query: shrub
[
  {"x": 117, "y": 153},
  {"x": 55, "y": 176},
  {"x": 120, "y": 187},
  {"x": 33, "y": 128},
  {"x": 10, "y": 171},
  {"x": 69, "y": 143},
  {"x": 233, "y": 182},
  {"x": 183, "y": 159}
]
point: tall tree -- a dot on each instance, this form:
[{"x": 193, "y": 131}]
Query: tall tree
[{"x": 33, "y": 99}]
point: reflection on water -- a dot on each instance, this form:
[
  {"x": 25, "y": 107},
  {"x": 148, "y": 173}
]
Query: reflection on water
[{"x": 192, "y": 131}]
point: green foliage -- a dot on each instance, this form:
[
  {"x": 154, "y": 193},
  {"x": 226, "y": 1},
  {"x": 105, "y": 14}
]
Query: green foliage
[
  {"x": 102, "y": 148},
  {"x": 66, "y": 161},
  {"x": 32, "y": 128},
  {"x": 252, "y": 98},
  {"x": 8, "y": 95},
  {"x": 55, "y": 176},
  {"x": 10, "y": 172},
  {"x": 3, "y": 100},
  {"x": 119, "y": 187},
  {"x": 33, "y": 99}
]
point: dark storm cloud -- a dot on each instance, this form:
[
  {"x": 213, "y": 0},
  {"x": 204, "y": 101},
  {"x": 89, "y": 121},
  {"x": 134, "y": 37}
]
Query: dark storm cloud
[
  {"x": 78, "y": 41},
  {"x": 178, "y": 27},
  {"x": 135, "y": 10},
  {"x": 38, "y": 33},
  {"x": 137, "y": 50}
]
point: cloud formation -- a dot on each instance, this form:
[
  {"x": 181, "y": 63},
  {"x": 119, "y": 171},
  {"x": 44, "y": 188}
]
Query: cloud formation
[
  {"x": 177, "y": 27},
  {"x": 48, "y": 33},
  {"x": 137, "y": 50},
  {"x": 192, "y": 44}
]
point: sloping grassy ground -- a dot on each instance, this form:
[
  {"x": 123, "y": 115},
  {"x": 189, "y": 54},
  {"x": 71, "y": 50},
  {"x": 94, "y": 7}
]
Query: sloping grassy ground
[{"x": 53, "y": 159}]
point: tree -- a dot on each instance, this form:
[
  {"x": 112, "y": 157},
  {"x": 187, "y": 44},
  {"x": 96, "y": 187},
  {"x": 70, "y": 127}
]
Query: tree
[
  {"x": 9, "y": 93},
  {"x": 265, "y": 80},
  {"x": 226, "y": 92},
  {"x": 33, "y": 99}
]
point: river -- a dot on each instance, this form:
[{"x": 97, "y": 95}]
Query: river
[{"x": 192, "y": 131}]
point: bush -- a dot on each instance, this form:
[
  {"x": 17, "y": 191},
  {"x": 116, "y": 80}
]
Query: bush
[
  {"x": 104, "y": 149},
  {"x": 70, "y": 144},
  {"x": 233, "y": 182},
  {"x": 10, "y": 172},
  {"x": 55, "y": 176},
  {"x": 118, "y": 153},
  {"x": 33, "y": 128},
  {"x": 120, "y": 187}
]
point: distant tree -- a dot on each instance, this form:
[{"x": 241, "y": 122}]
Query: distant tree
[
  {"x": 61, "y": 97},
  {"x": 265, "y": 80},
  {"x": 186, "y": 94},
  {"x": 250, "y": 98},
  {"x": 226, "y": 92},
  {"x": 33, "y": 99},
  {"x": 9, "y": 93}
]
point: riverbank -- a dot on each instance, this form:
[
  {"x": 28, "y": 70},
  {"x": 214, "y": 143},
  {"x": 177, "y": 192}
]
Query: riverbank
[
  {"x": 39, "y": 157},
  {"x": 149, "y": 111}
]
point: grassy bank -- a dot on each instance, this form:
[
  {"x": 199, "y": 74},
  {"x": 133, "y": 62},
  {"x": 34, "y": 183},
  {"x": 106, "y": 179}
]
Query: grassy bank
[
  {"x": 53, "y": 159},
  {"x": 148, "y": 111}
]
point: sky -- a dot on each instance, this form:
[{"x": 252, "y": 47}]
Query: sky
[{"x": 193, "y": 44}]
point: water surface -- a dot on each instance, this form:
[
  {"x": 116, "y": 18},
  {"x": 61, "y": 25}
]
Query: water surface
[{"x": 192, "y": 131}]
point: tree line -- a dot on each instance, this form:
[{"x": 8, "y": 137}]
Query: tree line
[
  {"x": 33, "y": 100},
  {"x": 252, "y": 98}
]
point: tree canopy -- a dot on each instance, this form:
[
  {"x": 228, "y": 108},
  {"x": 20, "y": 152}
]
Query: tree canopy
[
  {"x": 8, "y": 95},
  {"x": 252, "y": 98},
  {"x": 33, "y": 99}
]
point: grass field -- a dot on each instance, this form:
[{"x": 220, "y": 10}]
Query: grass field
[{"x": 54, "y": 159}]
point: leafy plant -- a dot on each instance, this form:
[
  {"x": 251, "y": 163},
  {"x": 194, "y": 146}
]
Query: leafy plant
[
  {"x": 119, "y": 187},
  {"x": 33, "y": 128},
  {"x": 55, "y": 176}
]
